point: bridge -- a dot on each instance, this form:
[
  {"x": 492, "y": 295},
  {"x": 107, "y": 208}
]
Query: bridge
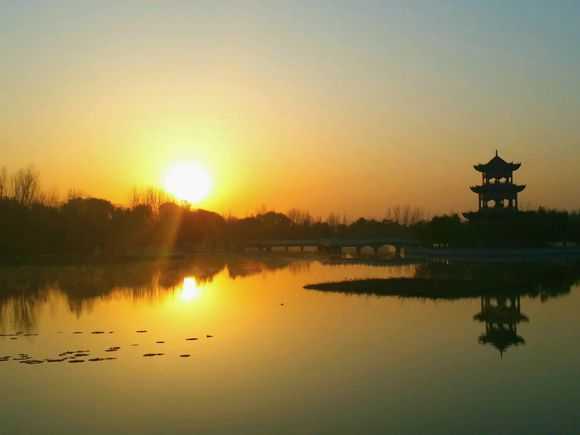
[{"x": 332, "y": 246}]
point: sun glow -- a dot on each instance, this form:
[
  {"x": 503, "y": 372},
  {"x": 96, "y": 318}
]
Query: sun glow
[
  {"x": 189, "y": 290},
  {"x": 188, "y": 181}
]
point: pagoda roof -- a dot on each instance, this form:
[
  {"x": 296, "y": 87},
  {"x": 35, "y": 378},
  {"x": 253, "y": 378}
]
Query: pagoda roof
[
  {"x": 497, "y": 165},
  {"x": 501, "y": 315},
  {"x": 501, "y": 339},
  {"x": 498, "y": 188}
]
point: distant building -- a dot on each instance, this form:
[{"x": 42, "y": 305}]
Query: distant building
[{"x": 497, "y": 192}]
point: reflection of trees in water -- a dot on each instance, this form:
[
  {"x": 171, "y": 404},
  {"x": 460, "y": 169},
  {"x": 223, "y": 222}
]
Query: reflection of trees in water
[
  {"x": 24, "y": 289},
  {"x": 543, "y": 280},
  {"x": 506, "y": 283},
  {"x": 499, "y": 286},
  {"x": 23, "y": 311},
  {"x": 240, "y": 266},
  {"x": 20, "y": 296},
  {"x": 501, "y": 310}
]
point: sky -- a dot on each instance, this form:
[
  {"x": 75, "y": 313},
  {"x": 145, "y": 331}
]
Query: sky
[{"x": 328, "y": 106}]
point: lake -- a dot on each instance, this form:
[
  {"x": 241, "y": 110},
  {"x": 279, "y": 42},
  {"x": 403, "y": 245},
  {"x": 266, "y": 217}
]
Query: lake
[{"x": 237, "y": 345}]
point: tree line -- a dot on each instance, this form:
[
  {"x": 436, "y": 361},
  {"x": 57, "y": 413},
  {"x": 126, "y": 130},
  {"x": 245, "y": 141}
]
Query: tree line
[
  {"x": 34, "y": 222},
  {"x": 526, "y": 229}
]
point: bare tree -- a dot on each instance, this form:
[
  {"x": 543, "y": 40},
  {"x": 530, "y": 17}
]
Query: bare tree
[
  {"x": 75, "y": 194},
  {"x": 134, "y": 197},
  {"x": 334, "y": 221},
  {"x": 299, "y": 217},
  {"x": 25, "y": 185},
  {"x": 3, "y": 182},
  {"x": 262, "y": 209},
  {"x": 150, "y": 196},
  {"x": 405, "y": 215},
  {"x": 49, "y": 198}
]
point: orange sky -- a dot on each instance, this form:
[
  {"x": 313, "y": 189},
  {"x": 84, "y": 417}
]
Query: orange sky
[{"x": 330, "y": 109}]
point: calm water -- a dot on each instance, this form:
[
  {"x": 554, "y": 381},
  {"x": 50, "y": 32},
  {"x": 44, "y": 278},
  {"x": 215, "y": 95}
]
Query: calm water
[{"x": 282, "y": 359}]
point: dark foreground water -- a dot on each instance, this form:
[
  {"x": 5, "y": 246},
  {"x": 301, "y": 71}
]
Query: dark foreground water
[{"x": 267, "y": 356}]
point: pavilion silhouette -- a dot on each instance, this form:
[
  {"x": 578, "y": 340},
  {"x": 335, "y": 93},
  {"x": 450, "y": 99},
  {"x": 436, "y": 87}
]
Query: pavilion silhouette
[{"x": 497, "y": 194}]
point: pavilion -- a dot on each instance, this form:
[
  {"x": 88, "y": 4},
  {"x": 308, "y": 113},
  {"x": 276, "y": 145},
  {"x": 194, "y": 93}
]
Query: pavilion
[{"x": 497, "y": 193}]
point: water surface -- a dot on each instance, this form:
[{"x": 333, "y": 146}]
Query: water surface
[{"x": 282, "y": 359}]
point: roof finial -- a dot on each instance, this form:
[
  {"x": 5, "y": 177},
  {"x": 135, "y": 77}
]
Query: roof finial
[{"x": 496, "y": 152}]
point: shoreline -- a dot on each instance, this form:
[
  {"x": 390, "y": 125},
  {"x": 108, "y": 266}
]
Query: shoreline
[
  {"x": 483, "y": 254},
  {"x": 410, "y": 255}
]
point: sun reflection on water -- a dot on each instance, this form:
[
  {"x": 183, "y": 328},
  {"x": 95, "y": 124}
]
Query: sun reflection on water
[{"x": 190, "y": 290}]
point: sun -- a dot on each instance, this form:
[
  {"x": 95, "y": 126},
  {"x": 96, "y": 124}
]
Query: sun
[{"x": 188, "y": 181}]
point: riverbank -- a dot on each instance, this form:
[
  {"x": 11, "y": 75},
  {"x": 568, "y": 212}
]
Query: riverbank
[
  {"x": 493, "y": 254},
  {"x": 74, "y": 259},
  {"x": 409, "y": 256}
]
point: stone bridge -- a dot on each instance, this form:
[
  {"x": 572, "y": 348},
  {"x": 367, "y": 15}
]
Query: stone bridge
[{"x": 332, "y": 246}]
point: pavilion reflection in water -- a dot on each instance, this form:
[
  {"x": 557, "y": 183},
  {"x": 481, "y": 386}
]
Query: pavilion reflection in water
[{"x": 501, "y": 316}]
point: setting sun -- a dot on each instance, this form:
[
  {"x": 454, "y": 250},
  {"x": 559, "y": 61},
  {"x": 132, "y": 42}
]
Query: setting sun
[{"x": 188, "y": 181}]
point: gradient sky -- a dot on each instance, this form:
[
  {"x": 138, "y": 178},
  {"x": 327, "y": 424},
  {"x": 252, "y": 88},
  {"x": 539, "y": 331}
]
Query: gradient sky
[{"x": 331, "y": 106}]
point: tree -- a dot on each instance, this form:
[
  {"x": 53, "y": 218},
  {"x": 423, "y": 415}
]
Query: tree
[
  {"x": 25, "y": 185},
  {"x": 3, "y": 182},
  {"x": 299, "y": 217},
  {"x": 149, "y": 196}
]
